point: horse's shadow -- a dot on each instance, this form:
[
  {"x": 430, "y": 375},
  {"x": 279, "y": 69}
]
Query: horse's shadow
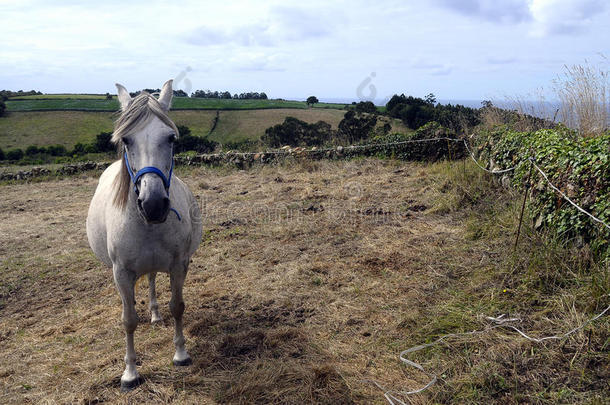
[
  {"x": 229, "y": 333},
  {"x": 261, "y": 353}
]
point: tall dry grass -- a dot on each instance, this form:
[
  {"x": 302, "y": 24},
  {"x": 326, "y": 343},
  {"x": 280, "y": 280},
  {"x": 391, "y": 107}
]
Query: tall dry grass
[{"x": 583, "y": 93}]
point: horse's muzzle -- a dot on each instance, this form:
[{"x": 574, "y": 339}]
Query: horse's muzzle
[{"x": 154, "y": 210}]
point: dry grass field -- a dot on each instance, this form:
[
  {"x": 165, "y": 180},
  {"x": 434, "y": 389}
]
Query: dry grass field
[{"x": 310, "y": 279}]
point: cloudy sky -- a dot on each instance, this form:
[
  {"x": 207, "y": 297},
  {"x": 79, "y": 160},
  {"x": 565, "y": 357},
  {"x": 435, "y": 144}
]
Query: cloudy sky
[{"x": 456, "y": 49}]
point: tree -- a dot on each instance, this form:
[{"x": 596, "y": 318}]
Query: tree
[
  {"x": 2, "y": 156},
  {"x": 367, "y": 107},
  {"x": 311, "y": 100},
  {"x": 415, "y": 112},
  {"x": 108, "y": 96},
  {"x": 354, "y": 127},
  {"x": 2, "y": 107}
]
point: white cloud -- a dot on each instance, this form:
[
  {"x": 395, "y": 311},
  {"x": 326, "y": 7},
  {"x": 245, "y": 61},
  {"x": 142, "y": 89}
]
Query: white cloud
[
  {"x": 280, "y": 24},
  {"x": 504, "y": 11},
  {"x": 564, "y": 17}
]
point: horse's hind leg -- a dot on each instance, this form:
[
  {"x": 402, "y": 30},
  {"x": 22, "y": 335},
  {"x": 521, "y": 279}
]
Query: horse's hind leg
[
  {"x": 176, "y": 306},
  {"x": 125, "y": 282},
  {"x": 155, "y": 317}
]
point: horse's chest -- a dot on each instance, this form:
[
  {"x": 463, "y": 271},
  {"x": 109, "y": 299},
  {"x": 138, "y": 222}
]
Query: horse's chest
[{"x": 146, "y": 250}]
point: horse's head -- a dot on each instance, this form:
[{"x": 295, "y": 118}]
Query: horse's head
[{"x": 146, "y": 136}]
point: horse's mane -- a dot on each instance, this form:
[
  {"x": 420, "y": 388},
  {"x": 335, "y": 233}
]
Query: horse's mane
[{"x": 140, "y": 110}]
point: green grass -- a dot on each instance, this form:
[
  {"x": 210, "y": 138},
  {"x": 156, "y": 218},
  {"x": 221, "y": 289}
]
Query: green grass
[
  {"x": 59, "y": 96},
  {"x": 19, "y": 130},
  {"x": 62, "y": 104},
  {"x": 43, "y": 128},
  {"x": 99, "y": 103}
]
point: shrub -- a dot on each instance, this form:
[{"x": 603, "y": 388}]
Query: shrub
[
  {"x": 57, "y": 150},
  {"x": 2, "y": 156},
  {"x": 295, "y": 132},
  {"x": 183, "y": 130},
  {"x": 32, "y": 150},
  {"x": 15, "y": 154},
  {"x": 2, "y": 107},
  {"x": 103, "y": 143},
  {"x": 79, "y": 149},
  {"x": 90, "y": 148},
  {"x": 195, "y": 143},
  {"x": 186, "y": 142}
]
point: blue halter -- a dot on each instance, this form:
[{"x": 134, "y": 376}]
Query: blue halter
[{"x": 150, "y": 169}]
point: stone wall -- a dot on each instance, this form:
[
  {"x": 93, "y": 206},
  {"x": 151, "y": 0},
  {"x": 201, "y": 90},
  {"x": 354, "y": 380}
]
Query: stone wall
[{"x": 238, "y": 159}]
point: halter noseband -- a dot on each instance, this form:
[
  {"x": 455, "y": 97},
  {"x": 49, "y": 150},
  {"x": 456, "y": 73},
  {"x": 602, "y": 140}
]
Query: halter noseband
[{"x": 150, "y": 169}]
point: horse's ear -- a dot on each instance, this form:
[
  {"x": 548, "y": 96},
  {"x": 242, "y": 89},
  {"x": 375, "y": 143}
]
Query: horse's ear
[
  {"x": 123, "y": 96},
  {"x": 165, "y": 97}
]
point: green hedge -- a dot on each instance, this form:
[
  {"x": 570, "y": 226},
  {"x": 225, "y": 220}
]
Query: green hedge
[{"x": 579, "y": 167}]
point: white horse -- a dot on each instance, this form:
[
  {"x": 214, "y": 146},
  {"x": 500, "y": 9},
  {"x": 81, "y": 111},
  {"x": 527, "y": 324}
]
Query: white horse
[{"x": 137, "y": 223}]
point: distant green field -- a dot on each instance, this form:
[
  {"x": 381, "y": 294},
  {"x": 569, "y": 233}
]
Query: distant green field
[
  {"x": 99, "y": 103},
  {"x": 43, "y": 128},
  {"x": 59, "y": 96}
]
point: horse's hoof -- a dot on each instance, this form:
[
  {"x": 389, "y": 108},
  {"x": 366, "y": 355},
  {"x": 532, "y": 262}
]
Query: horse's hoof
[
  {"x": 183, "y": 363},
  {"x": 127, "y": 386}
]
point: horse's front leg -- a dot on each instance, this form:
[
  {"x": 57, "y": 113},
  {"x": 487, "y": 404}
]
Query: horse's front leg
[
  {"x": 155, "y": 317},
  {"x": 176, "y": 306},
  {"x": 125, "y": 282}
]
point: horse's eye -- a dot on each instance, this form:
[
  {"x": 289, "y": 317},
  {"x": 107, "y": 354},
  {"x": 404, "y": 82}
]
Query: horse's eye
[
  {"x": 126, "y": 141},
  {"x": 172, "y": 138}
]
